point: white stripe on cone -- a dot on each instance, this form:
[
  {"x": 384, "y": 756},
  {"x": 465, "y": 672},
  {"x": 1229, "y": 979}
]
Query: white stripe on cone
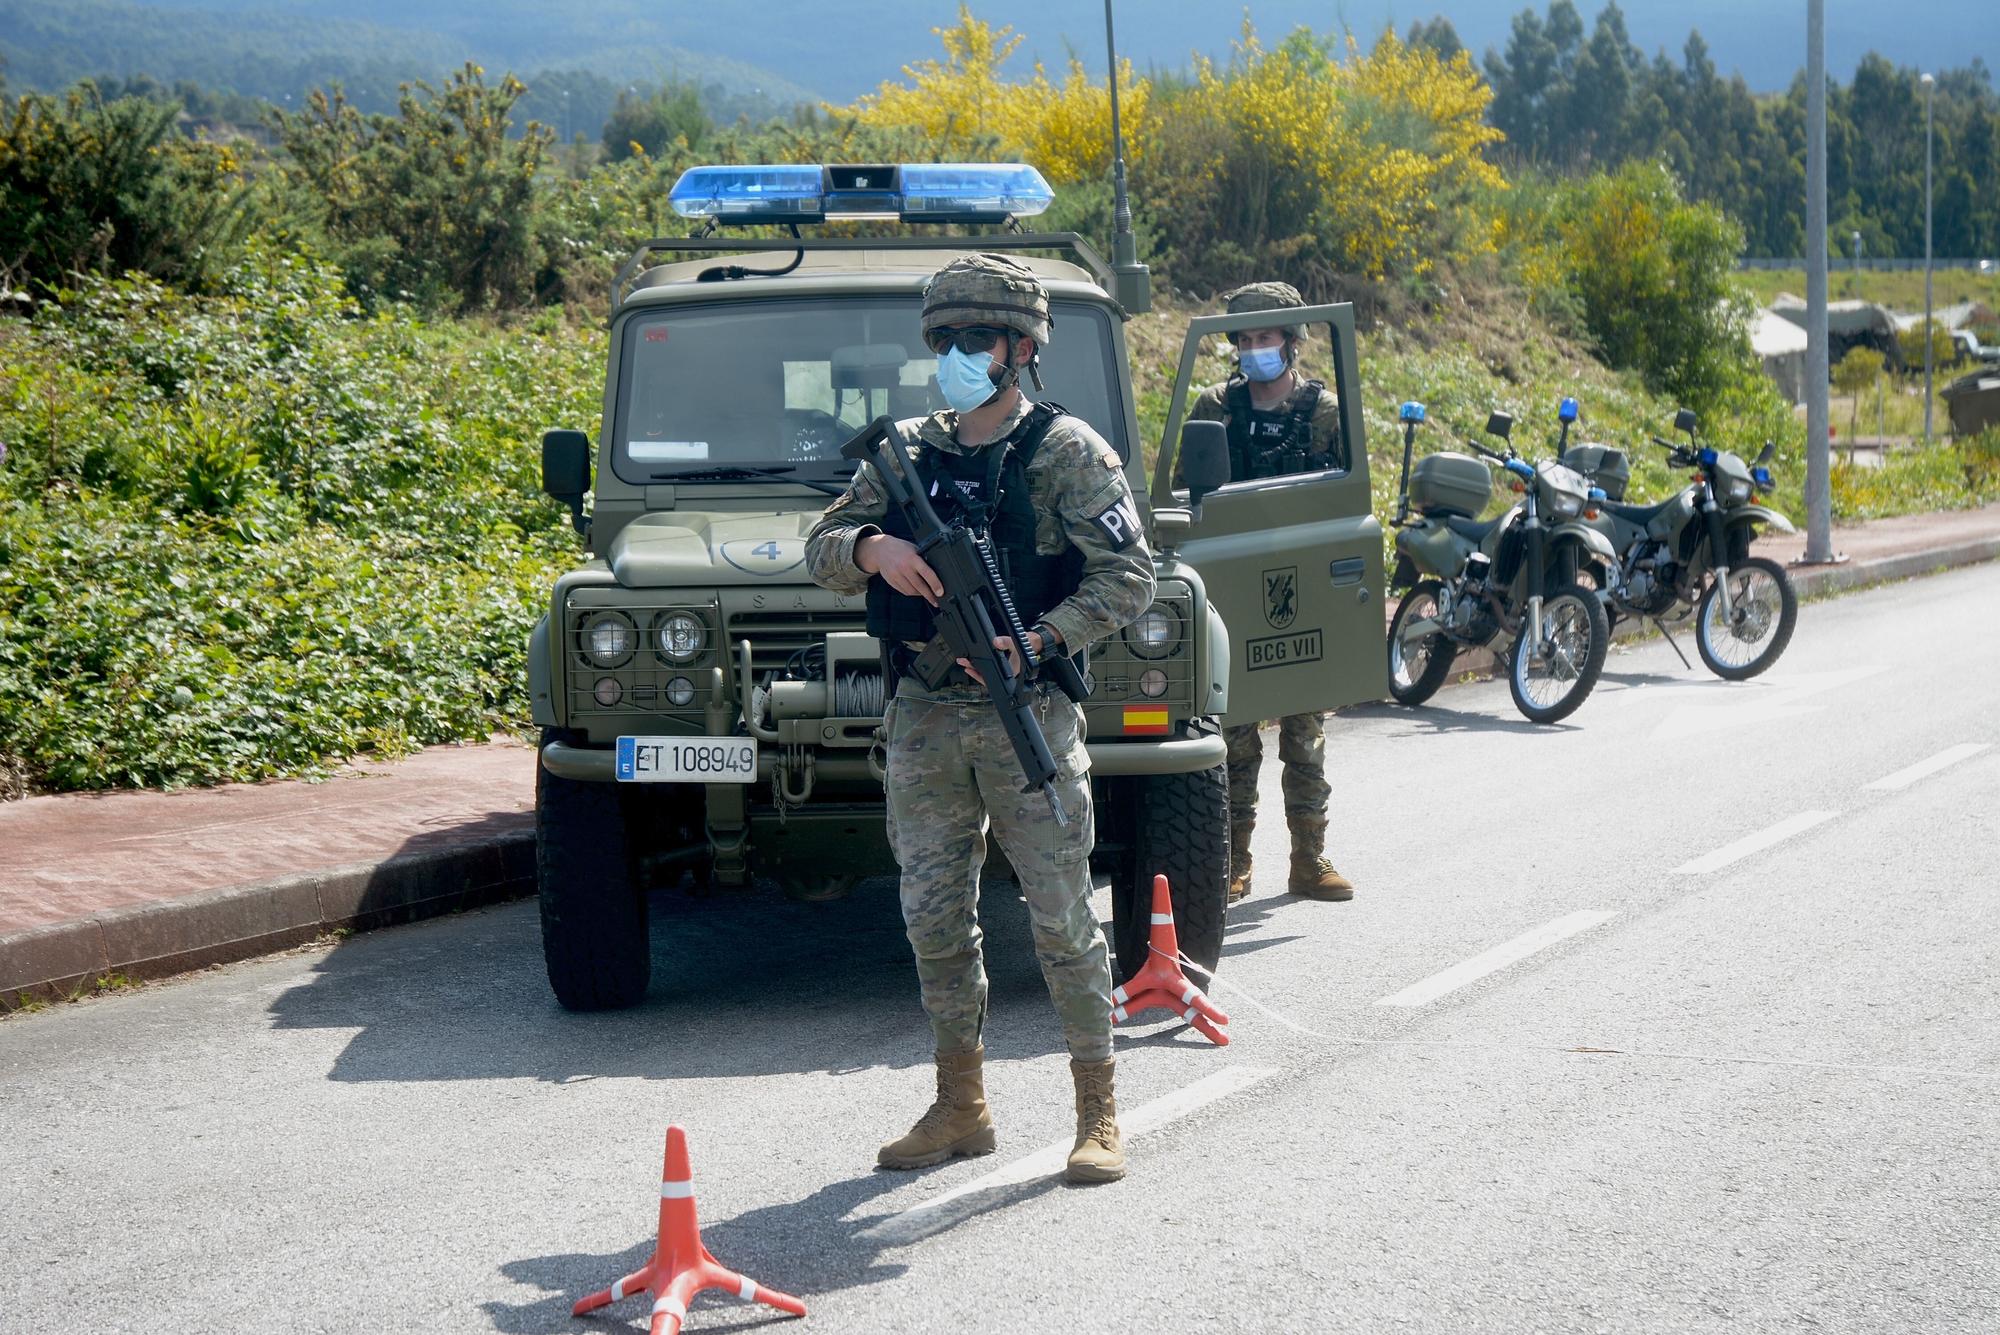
[
  {"x": 1162, "y": 919},
  {"x": 671, "y": 1305},
  {"x": 674, "y": 1191},
  {"x": 748, "y": 1293}
]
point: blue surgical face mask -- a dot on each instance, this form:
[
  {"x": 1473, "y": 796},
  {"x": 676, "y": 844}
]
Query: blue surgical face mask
[
  {"x": 1262, "y": 363},
  {"x": 966, "y": 378}
]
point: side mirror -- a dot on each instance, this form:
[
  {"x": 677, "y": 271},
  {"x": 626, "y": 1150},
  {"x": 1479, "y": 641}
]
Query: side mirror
[
  {"x": 1204, "y": 460},
  {"x": 1684, "y": 420},
  {"x": 1770, "y": 449},
  {"x": 1501, "y": 425},
  {"x": 566, "y": 471}
]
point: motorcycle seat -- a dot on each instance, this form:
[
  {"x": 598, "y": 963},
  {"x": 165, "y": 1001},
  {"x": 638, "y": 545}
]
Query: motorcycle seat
[
  {"x": 1474, "y": 530},
  {"x": 1641, "y": 515}
]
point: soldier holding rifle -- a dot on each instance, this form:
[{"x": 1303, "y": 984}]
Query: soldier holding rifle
[{"x": 1050, "y": 495}]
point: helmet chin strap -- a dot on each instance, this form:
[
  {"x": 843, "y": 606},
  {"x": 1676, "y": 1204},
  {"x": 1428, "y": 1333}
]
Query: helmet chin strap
[{"x": 1011, "y": 375}]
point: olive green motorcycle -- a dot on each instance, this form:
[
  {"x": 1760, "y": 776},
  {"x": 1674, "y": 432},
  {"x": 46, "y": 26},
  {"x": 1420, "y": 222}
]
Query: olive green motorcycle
[
  {"x": 1509, "y": 583},
  {"x": 1691, "y": 553}
]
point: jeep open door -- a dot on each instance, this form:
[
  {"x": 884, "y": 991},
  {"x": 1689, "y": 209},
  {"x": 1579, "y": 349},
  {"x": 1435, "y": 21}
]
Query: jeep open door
[{"x": 1293, "y": 563}]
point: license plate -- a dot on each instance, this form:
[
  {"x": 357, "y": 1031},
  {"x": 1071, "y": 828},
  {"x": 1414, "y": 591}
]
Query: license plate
[{"x": 687, "y": 759}]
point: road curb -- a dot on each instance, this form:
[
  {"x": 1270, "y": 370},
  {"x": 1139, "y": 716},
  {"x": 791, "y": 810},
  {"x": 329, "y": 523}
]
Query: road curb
[{"x": 218, "y": 926}]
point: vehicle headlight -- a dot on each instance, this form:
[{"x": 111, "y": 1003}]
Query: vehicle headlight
[
  {"x": 1155, "y": 634},
  {"x": 607, "y": 692},
  {"x": 678, "y": 637},
  {"x": 680, "y": 692},
  {"x": 1739, "y": 491},
  {"x": 1567, "y": 505},
  {"x": 1152, "y": 683},
  {"x": 609, "y": 638}
]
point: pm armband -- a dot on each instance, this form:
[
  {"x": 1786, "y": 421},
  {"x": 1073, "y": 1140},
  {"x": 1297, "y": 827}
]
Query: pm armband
[{"x": 1119, "y": 523}]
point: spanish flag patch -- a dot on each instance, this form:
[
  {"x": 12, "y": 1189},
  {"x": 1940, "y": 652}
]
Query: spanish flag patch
[{"x": 1146, "y": 718}]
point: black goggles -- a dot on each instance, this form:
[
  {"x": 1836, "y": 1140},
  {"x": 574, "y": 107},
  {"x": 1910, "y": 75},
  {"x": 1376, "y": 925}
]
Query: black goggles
[{"x": 966, "y": 338}]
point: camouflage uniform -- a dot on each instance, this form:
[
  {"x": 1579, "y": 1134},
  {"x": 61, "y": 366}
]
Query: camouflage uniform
[
  {"x": 1301, "y": 737},
  {"x": 952, "y": 770}
]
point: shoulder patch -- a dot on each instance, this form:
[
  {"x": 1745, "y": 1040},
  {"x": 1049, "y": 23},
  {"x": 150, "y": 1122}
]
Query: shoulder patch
[{"x": 1119, "y": 523}]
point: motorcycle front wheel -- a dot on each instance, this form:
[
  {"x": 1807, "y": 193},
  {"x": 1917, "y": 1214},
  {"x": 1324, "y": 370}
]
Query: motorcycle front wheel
[
  {"x": 1549, "y": 681},
  {"x": 1417, "y": 668},
  {"x": 1763, "y": 612}
]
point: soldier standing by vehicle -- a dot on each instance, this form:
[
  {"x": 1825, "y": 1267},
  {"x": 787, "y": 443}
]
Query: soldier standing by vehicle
[
  {"x": 1279, "y": 423},
  {"x": 1052, "y": 495}
]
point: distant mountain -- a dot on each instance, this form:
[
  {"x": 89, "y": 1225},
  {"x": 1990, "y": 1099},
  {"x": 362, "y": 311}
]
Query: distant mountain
[{"x": 788, "y": 50}]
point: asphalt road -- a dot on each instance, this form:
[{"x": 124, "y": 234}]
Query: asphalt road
[{"x": 1557, "y": 1067}]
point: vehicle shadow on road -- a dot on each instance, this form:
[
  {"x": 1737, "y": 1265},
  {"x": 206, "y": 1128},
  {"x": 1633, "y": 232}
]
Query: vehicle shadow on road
[
  {"x": 743, "y": 984},
  {"x": 807, "y": 1248},
  {"x": 1435, "y": 719}
]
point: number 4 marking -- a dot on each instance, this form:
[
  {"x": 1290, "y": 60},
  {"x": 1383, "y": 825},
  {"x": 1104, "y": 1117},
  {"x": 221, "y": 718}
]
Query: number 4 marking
[{"x": 769, "y": 550}]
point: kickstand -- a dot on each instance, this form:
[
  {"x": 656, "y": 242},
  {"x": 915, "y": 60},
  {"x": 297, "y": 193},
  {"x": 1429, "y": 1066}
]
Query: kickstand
[{"x": 1667, "y": 635}]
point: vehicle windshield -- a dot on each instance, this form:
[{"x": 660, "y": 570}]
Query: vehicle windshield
[{"x": 721, "y": 390}]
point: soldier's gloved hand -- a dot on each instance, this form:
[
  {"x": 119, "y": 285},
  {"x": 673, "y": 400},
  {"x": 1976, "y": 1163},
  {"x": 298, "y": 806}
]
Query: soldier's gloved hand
[
  {"x": 1005, "y": 644},
  {"x": 896, "y": 560}
]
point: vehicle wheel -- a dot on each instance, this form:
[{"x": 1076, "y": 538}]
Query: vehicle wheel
[
  {"x": 594, "y": 934},
  {"x": 1766, "y": 611},
  {"x": 1550, "y": 685},
  {"x": 1417, "y": 669},
  {"x": 1179, "y": 827}
]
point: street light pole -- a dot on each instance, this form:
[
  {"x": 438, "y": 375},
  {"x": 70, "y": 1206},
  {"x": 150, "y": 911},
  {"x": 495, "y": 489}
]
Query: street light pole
[
  {"x": 1929, "y": 84},
  {"x": 1819, "y": 477}
]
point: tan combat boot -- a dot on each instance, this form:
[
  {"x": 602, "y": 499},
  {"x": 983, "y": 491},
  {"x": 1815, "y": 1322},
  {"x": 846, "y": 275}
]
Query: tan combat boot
[
  {"x": 957, "y": 1123},
  {"x": 1314, "y": 877},
  {"x": 1239, "y": 862},
  {"x": 1099, "y": 1155}
]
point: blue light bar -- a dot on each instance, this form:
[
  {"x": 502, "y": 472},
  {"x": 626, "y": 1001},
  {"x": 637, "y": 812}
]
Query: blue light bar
[
  {"x": 1566, "y": 410},
  {"x": 1412, "y": 411},
  {"x": 749, "y": 194},
  {"x": 972, "y": 191},
  {"x": 913, "y": 192}
]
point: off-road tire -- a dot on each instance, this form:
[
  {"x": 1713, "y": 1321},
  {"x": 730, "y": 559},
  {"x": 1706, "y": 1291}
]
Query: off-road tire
[
  {"x": 1179, "y": 827},
  {"x": 1443, "y": 651},
  {"x": 1593, "y": 663},
  {"x": 594, "y": 933},
  {"x": 1781, "y": 634}
]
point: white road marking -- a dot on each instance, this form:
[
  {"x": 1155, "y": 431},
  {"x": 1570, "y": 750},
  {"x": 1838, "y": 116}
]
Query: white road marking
[
  {"x": 1923, "y": 769},
  {"x": 1498, "y": 958},
  {"x": 1753, "y": 843},
  {"x": 969, "y": 1198}
]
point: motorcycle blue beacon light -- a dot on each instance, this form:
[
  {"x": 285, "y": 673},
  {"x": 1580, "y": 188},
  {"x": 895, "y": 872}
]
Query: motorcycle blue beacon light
[
  {"x": 750, "y": 194},
  {"x": 1566, "y": 410},
  {"x": 969, "y": 192},
  {"x": 1707, "y": 457},
  {"x": 1761, "y": 476},
  {"x": 1412, "y": 412}
]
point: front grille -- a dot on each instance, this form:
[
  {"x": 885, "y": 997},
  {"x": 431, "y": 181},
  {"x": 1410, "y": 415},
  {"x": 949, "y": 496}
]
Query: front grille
[{"x": 775, "y": 637}]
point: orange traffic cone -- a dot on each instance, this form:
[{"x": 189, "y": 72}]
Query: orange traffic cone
[
  {"x": 1160, "y": 981},
  {"x": 681, "y": 1267}
]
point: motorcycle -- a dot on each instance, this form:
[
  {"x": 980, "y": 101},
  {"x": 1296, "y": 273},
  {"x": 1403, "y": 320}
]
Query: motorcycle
[
  {"x": 1509, "y": 583},
  {"x": 1691, "y": 553}
]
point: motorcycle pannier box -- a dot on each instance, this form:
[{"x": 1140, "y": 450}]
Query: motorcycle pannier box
[
  {"x": 1605, "y": 465},
  {"x": 1450, "y": 484}
]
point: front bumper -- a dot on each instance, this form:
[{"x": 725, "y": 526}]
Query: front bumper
[{"x": 1174, "y": 755}]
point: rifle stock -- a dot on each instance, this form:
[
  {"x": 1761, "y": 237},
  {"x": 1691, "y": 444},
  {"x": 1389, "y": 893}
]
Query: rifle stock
[{"x": 976, "y": 607}]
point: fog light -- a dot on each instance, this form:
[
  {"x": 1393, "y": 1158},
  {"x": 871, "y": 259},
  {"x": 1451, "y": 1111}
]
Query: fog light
[
  {"x": 680, "y": 692},
  {"x": 1153, "y": 683},
  {"x": 608, "y": 692}
]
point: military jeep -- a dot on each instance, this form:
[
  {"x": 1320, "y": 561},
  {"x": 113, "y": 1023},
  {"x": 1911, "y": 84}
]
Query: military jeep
[{"x": 708, "y": 714}]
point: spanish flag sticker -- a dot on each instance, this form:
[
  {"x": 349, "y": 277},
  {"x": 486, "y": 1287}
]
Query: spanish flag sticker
[{"x": 1146, "y": 718}]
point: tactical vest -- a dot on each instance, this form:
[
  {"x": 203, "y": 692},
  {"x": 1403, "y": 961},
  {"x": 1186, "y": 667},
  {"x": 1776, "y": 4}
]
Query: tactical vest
[
  {"x": 1290, "y": 453},
  {"x": 997, "y": 476}
]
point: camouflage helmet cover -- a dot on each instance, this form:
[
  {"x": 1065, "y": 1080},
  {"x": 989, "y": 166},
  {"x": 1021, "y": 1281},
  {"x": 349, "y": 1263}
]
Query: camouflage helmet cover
[
  {"x": 988, "y": 289},
  {"x": 1266, "y": 297}
]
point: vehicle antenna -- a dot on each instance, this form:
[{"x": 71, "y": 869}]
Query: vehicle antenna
[{"x": 1134, "y": 285}]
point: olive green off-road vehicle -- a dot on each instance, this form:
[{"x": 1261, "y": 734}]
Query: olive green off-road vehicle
[{"x": 707, "y": 712}]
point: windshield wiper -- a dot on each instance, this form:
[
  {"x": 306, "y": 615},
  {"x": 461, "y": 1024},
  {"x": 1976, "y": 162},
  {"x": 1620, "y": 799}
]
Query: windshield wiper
[{"x": 727, "y": 472}]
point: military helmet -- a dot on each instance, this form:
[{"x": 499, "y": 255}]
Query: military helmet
[
  {"x": 988, "y": 289},
  {"x": 1266, "y": 297}
]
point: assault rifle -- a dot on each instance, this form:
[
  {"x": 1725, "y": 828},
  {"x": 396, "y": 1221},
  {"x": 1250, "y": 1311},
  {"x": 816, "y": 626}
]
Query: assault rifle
[{"x": 976, "y": 608}]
